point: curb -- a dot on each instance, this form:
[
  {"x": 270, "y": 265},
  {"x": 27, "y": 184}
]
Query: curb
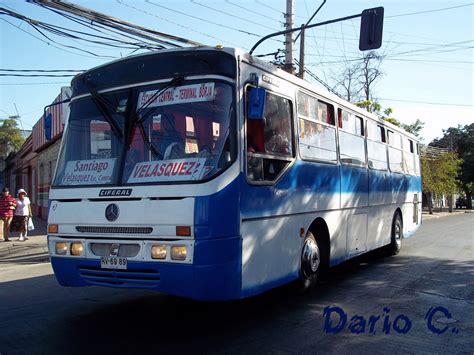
[{"x": 436, "y": 215}]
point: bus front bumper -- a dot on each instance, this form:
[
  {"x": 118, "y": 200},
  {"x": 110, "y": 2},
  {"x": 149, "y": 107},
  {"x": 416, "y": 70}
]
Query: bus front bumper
[{"x": 214, "y": 274}]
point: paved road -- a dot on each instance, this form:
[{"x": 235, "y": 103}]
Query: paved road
[{"x": 434, "y": 272}]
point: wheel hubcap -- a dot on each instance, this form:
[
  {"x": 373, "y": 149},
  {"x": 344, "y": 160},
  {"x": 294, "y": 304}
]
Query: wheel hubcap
[
  {"x": 310, "y": 258},
  {"x": 398, "y": 235}
]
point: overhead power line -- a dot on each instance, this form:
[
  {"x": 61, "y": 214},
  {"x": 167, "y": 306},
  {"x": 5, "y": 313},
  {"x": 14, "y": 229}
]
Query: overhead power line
[
  {"x": 255, "y": 12},
  {"x": 56, "y": 44},
  {"x": 427, "y": 103},
  {"x": 39, "y": 75},
  {"x": 42, "y": 70},
  {"x": 161, "y": 38},
  {"x": 204, "y": 20},
  {"x": 269, "y": 7},
  {"x": 428, "y": 11},
  {"x": 43, "y": 83},
  {"x": 121, "y": 2},
  {"x": 232, "y": 15}
]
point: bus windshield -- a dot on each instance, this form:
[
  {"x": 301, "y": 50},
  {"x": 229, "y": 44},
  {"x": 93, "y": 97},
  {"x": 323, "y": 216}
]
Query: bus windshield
[{"x": 152, "y": 134}]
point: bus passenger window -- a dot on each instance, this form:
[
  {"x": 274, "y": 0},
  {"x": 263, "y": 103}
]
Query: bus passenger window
[
  {"x": 408, "y": 156},
  {"x": 395, "y": 157},
  {"x": 351, "y": 138},
  {"x": 277, "y": 126},
  {"x": 317, "y": 141},
  {"x": 376, "y": 149},
  {"x": 270, "y": 143}
]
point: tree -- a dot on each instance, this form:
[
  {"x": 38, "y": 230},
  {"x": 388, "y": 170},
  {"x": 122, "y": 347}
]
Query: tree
[
  {"x": 370, "y": 72},
  {"x": 360, "y": 77},
  {"x": 461, "y": 140},
  {"x": 10, "y": 137},
  {"x": 439, "y": 172},
  {"x": 349, "y": 85}
]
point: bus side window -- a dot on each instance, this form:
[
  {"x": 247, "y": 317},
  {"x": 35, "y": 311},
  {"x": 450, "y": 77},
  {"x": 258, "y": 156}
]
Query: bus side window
[
  {"x": 395, "y": 157},
  {"x": 376, "y": 147},
  {"x": 270, "y": 142},
  {"x": 351, "y": 138}
]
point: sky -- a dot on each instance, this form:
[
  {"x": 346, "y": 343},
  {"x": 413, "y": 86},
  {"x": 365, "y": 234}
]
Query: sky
[{"x": 428, "y": 49}]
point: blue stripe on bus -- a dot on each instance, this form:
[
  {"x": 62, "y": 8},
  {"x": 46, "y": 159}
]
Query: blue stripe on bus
[
  {"x": 301, "y": 185},
  {"x": 309, "y": 186}
]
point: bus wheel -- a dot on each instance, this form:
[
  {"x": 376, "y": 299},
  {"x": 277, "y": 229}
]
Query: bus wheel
[
  {"x": 397, "y": 235},
  {"x": 310, "y": 262}
]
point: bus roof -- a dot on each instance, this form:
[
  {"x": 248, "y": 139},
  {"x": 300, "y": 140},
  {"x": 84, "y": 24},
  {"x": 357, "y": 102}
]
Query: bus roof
[{"x": 266, "y": 66}]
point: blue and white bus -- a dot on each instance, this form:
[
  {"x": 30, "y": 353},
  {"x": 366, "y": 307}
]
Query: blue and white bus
[{"x": 209, "y": 174}]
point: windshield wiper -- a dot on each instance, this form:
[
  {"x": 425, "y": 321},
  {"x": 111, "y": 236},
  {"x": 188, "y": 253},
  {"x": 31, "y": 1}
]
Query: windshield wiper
[
  {"x": 138, "y": 121},
  {"x": 101, "y": 103},
  {"x": 173, "y": 83}
]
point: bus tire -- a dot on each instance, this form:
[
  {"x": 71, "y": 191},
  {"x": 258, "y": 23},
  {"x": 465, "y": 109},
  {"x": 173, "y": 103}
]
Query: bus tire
[
  {"x": 310, "y": 263},
  {"x": 397, "y": 234}
]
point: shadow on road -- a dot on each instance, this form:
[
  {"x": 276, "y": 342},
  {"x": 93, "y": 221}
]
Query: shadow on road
[{"x": 102, "y": 320}]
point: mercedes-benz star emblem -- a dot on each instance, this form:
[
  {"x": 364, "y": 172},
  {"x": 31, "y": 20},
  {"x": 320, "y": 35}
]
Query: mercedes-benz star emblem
[{"x": 112, "y": 212}]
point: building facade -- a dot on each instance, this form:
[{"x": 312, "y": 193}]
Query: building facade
[{"x": 32, "y": 167}]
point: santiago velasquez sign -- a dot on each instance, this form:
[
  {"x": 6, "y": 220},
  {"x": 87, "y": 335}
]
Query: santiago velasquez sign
[{"x": 88, "y": 172}]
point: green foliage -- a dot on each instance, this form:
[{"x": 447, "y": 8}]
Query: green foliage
[
  {"x": 414, "y": 128},
  {"x": 371, "y": 106},
  {"x": 440, "y": 172},
  {"x": 461, "y": 140},
  {"x": 393, "y": 121},
  {"x": 374, "y": 107},
  {"x": 10, "y": 137}
]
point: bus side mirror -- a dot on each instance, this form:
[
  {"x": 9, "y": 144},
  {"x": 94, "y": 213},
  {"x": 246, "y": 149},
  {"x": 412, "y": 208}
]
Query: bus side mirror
[
  {"x": 48, "y": 126},
  {"x": 256, "y": 103},
  {"x": 371, "y": 28}
]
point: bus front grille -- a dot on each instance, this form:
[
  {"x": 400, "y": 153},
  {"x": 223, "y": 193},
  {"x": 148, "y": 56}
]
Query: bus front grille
[
  {"x": 114, "y": 230},
  {"x": 120, "y": 278}
]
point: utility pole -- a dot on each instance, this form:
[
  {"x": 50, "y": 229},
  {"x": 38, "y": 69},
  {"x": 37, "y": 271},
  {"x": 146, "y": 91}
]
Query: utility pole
[
  {"x": 301, "y": 61},
  {"x": 289, "y": 37}
]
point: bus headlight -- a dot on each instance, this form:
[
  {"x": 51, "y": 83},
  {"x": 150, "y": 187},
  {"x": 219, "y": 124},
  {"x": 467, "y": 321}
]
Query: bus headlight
[
  {"x": 77, "y": 248},
  {"x": 178, "y": 252},
  {"x": 61, "y": 248},
  {"x": 158, "y": 252}
]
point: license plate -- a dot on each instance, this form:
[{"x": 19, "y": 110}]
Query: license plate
[{"x": 113, "y": 262}]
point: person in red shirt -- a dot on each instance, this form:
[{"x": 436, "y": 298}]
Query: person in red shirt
[{"x": 7, "y": 207}]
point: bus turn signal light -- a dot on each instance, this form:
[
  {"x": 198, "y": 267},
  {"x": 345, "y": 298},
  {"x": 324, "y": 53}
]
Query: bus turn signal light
[
  {"x": 183, "y": 231},
  {"x": 53, "y": 228}
]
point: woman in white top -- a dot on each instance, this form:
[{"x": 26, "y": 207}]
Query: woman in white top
[{"x": 22, "y": 214}]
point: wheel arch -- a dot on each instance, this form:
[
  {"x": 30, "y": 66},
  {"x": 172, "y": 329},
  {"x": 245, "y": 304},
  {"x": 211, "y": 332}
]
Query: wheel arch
[
  {"x": 399, "y": 212},
  {"x": 320, "y": 231}
]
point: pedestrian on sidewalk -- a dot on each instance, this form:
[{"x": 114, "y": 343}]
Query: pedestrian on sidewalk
[
  {"x": 7, "y": 206},
  {"x": 22, "y": 215}
]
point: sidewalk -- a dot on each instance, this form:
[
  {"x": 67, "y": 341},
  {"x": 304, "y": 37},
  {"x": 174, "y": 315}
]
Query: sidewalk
[
  {"x": 35, "y": 249},
  {"x": 444, "y": 213}
]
